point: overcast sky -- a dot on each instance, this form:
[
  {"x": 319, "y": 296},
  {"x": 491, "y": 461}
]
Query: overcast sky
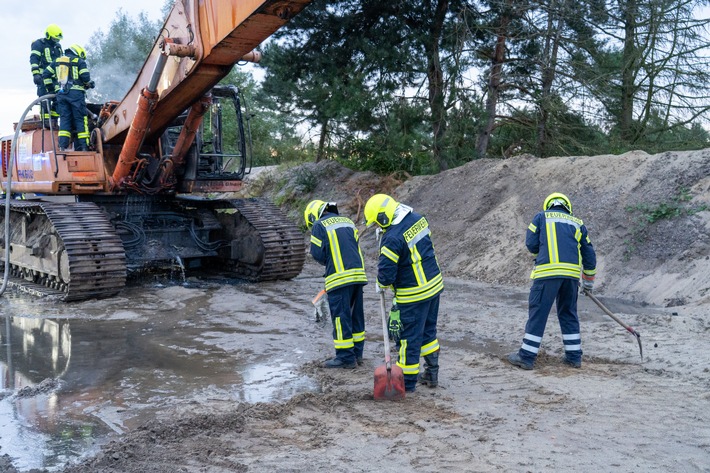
[{"x": 25, "y": 21}]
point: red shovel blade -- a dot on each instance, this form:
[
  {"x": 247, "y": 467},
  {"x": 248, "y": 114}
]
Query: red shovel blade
[{"x": 389, "y": 384}]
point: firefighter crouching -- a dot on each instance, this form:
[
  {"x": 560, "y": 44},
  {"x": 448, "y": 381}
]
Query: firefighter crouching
[
  {"x": 70, "y": 79},
  {"x": 407, "y": 263},
  {"x": 335, "y": 245}
]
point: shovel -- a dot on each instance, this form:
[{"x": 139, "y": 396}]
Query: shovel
[{"x": 389, "y": 380}]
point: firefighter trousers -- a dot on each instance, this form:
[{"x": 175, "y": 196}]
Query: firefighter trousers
[
  {"x": 73, "y": 118},
  {"x": 348, "y": 317},
  {"x": 563, "y": 292},
  {"x": 48, "y": 108},
  {"x": 418, "y": 337}
]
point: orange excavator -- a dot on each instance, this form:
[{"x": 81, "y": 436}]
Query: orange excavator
[{"x": 142, "y": 196}]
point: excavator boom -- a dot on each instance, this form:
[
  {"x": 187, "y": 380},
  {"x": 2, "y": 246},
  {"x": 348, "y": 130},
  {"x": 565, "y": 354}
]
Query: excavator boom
[{"x": 203, "y": 40}]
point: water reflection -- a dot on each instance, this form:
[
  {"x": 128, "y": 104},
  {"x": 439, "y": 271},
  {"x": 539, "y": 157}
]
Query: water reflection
[
  {"x": 68, "y": 384},
  {"x": 37, "y": 353},
  {"x": 43, "y": 350},
  {"x": 264, "y": 383}
]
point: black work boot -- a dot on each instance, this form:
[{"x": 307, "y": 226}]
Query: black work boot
[
  {"x": 339, "y": 363},
  {"x": 430, "y": 377},
  {"x": 516, "y": 360}
]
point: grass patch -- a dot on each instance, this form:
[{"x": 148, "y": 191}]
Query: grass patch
[{"x": 646, "y": 215}]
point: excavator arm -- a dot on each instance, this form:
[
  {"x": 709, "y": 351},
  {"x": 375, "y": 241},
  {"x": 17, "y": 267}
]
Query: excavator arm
[{"x": 197, "y": 47}]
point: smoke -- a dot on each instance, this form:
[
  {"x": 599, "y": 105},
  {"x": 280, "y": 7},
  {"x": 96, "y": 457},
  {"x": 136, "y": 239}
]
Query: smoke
[
  {"x": 115, "y": 57},
  {"x": 113, "y": 80}
]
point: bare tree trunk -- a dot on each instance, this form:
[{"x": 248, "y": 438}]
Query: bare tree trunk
[
  {"x": 320, "y": 155},
  {"x": 629, "y": 71},
  {"x": 435, "y": 78},
  {"x": 549, "y": 66},
  {"x": 494, "y": 81}
]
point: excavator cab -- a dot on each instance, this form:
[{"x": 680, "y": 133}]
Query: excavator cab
[{"x": 222, "y": 150}]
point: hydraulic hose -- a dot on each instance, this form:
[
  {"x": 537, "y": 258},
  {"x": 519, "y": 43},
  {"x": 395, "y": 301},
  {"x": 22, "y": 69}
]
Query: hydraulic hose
[{"x": 8, "y": 189}]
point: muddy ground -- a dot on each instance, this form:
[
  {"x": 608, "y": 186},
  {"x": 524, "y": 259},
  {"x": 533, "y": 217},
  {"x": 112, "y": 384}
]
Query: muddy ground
[{"x": 617, "y": 413}]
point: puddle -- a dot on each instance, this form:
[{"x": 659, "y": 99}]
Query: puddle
[{"x": 71, "y": 381}]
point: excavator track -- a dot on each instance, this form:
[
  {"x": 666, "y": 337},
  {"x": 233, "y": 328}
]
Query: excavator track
[
  {"x": 67, "y": 250},
  {"x": 283, "y": 252}
]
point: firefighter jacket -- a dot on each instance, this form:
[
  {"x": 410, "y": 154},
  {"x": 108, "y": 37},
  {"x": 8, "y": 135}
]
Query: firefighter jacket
[
  {"x": 561, "y": 245},
  {"x": 334, "y": 244},
  {"x": 79, "y": 77},
  {"x": 43, "y": 53},
  {"x": 407, "y": 261}
]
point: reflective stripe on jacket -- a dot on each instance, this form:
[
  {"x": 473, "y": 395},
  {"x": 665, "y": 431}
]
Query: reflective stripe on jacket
[
  {"x": 407, "y": 261},
  {"x": 334, "y": 244},
  {"x": 43, "y": 53},
  {"x": 561, "y": 246}
]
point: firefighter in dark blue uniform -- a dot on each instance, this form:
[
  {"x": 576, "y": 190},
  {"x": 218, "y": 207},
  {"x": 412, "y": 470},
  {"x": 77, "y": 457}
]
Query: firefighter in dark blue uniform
[
  {"x": 408, "y": 265},
  {"x": 334, "y": 244},
  {"x": 562, "y": 250},
  {"x": 71, "y": 101},
  {"x": 44, "y": 51}
]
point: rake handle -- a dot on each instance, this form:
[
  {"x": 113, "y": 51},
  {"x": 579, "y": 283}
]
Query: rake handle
[{"x": 617, "y": 319}]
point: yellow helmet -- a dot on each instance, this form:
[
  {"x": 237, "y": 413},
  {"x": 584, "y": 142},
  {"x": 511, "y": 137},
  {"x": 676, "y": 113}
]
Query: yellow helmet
[
  {"x": 53, "y": 32},
  {"x": 380, "y": 209},
  {"x": 313, "y": 212},
  {"x": 78, "y": 50},
  {"x": 557, "y": 198}
]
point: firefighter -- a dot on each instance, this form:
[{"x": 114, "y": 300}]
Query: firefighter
[
  {"x": 562, "y": 249},
  {"x": 335, "y": 244},
  {"x": 408, "y": 264},
  {"x": 70, "y": 79},
  {"x": 44, "y": 51}
]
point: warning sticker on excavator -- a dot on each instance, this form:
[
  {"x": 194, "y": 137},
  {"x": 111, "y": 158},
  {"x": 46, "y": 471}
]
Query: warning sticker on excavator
[{"x": 39, "y": 160}]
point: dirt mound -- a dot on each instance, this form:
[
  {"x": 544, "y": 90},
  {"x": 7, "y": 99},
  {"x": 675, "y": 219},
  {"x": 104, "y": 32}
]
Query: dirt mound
[
  {"x": 647, "y": 215},
  {"x": 294, "y": 187}
]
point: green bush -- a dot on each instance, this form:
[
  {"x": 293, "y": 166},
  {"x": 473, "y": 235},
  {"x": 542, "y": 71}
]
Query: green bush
[{"x": 650, "y": 214}]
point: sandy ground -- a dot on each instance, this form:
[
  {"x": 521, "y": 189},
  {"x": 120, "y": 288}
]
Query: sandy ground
[{"x": 617, "y": 413}]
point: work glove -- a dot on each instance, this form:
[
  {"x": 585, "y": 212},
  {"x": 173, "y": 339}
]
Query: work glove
[
  {"x": 321, "y": 307},
  {"x": 587, "y": 283},
  {"x": 394, "y": 325},
  {"x": 379, "y": 289},
  {"x": 90, "y": 85},
  {"x": 38, "y": 79}
]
